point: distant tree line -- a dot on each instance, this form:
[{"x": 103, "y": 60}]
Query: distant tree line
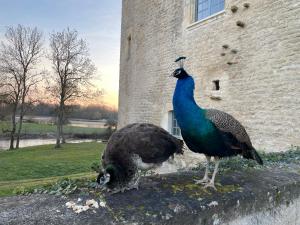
[{"x": 90, "y": 112}]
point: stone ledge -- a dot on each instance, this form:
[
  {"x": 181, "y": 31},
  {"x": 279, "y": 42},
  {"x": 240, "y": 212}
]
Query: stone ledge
[{"x": 173, "y": 199}]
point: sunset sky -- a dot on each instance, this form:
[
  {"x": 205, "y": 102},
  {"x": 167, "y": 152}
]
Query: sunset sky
[{"x": 97, "y": 21}]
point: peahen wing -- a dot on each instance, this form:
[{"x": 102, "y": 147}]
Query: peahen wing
[{"x": 154, "y": 144}]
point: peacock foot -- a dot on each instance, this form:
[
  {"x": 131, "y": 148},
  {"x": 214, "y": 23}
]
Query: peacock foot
[
  {"x": 202, "y": 181},
  {"x": 114, "y": 191},
  {"x": 103, "y": 189},
  {"x": 210, "y": 185},
  {"x": 133, "y": 186}
]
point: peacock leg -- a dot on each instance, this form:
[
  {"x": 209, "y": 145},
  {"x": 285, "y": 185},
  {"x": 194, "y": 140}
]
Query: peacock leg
[
  {"x": 137, "y": 181},
  {"x": 171, "y": 160},
  {"x": 115, "y": 190},
  {"x": 205, "y": 179},
  {"x": 212, "y": 181}
]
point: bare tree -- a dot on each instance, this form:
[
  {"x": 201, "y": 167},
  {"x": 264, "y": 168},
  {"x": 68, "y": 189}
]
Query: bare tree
[
  {"x": 10, "y": 92},
  {"x": 111, "y": 126},
  {"x": 19, "y": 55},
  {"x": 11, "y": 89},
  {"x": 74, "y": 72},
  {"x": 3, "y": 105}
]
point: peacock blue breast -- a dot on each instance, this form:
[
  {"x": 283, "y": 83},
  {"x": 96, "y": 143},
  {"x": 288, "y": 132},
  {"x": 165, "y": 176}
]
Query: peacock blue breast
[{"x": 199, "y": 133}]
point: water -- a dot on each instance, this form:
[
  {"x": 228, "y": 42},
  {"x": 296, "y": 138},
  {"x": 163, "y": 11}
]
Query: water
[
  {"x": 4, "y": 144},
  {"x": 72, "y": 122},
  {"x": 87, "y": 123}
]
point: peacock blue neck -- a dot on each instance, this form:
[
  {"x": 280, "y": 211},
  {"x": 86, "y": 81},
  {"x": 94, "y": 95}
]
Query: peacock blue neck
[
  {"x": 184, "y": 91},
  {"x": 189, "y": 115}
]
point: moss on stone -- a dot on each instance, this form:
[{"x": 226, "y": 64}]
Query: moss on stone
[
  {"x": 197, "y": 190},
  {"x": 228, "y": 188},
  {"x": 130, "y": 207},
  {"x": 142, "y": 208}
]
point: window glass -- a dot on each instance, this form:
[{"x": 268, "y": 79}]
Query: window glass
[
  {"x": 206, "y": 8},
  {"x": 175, "y": 130}
]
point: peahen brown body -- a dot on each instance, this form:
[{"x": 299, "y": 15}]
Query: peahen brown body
[{"x": 138, "y": 146}]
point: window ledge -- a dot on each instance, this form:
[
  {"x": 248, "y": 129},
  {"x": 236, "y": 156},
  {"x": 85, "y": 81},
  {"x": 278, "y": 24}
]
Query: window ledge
[
  {"x": 177, "y": 136},
  {"x": 206, "y": 20},
  {"x": 215, "y": 95}
]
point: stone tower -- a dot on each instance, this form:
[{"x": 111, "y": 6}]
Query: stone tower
[{"x": 243, "y": 55}]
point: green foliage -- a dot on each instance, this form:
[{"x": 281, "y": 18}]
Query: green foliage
[
  {"x": 68, "y": 186},
  {"x": 42, "y": 185},
  {"x": 274, "y": 159},
  {"x": 233, "y": 163},
  {"x": 63, "y": 187},
  {"x": 291, "y": 156},
  {"x": 96, "y": 167}
]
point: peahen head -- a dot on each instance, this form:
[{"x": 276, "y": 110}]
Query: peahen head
[{"x": 108, "y": 176}]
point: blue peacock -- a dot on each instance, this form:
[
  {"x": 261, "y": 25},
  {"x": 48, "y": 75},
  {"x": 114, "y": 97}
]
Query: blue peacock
[{"x": 209, "y": 131}]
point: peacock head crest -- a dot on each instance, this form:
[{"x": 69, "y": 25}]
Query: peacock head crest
[{"x": 180, "y": 72}]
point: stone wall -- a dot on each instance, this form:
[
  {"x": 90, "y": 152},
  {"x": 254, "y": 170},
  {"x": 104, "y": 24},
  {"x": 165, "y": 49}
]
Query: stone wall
[
  {"x": 261, "y": 86},
  {"x": 247, "y": 197}
]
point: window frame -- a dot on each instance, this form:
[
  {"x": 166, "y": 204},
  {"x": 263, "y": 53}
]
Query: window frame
[{"x": 173, "y": 125}]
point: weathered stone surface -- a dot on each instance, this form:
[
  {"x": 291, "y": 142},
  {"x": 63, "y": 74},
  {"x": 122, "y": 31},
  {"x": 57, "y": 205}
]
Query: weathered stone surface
[
  {"x": 247, "y": 196},
  {"x": 260, "y": 87}
]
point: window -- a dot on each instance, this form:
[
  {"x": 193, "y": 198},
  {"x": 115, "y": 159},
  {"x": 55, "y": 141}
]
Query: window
[
  {"x": 216, "y": 86},
  {"x": 206, "y": 8},
  {"x": 175, "y": 130},
  {"x": 128, "y": 47}
]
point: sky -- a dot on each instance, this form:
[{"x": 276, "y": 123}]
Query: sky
[{"x": 97, "y": 21}]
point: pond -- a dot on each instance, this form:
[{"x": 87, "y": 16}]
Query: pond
[{"x": 72, "y": 121}]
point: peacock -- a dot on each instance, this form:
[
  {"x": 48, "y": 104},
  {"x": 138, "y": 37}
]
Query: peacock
[
  {"x": 135, "y": 147},
  {"x": 209, "y": 131}
]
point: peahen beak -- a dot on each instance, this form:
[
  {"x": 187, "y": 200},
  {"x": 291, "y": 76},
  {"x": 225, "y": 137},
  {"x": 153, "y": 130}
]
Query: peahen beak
[{"x": 103, "y": 178}]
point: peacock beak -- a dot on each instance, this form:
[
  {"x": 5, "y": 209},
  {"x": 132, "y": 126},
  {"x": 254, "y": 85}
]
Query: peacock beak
[{"x": 176, "y": 73}]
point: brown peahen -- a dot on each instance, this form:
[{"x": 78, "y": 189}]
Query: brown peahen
[{"x": 138, "y": 146}]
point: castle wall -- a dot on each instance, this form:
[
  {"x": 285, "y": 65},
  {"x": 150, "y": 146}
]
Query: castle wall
[{"x": 260, "y": 87}]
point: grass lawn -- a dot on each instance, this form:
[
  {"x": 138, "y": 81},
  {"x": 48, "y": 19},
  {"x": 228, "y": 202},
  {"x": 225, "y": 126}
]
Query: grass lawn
[
  {"x": 36, "y": 128},
  {"x": 40, "y": 165}
]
